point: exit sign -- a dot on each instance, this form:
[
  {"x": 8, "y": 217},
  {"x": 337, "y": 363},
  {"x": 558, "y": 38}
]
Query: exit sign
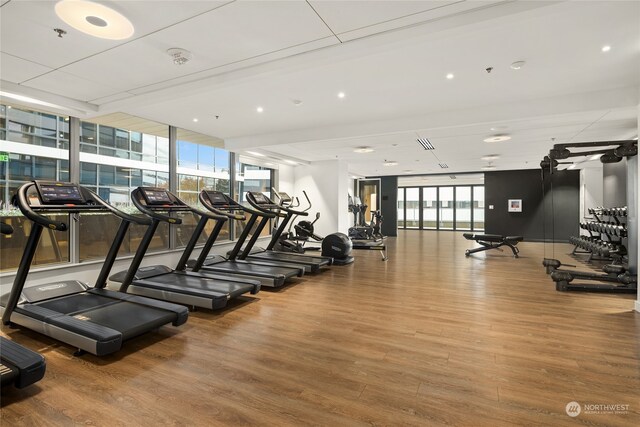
[{"x": 4, "y": 157}]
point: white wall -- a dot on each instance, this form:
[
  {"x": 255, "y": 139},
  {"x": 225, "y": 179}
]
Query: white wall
[
  {"x": 638, "y": 211},
  {"x": 591, "y": 189},
  {"x": 286, "y": 179},
  {"x": 327, "y": 184}
]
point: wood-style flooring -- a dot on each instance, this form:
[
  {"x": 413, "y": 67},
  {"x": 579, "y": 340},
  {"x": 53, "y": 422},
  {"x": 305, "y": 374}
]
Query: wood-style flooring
[{"x": 429, "y": 337}]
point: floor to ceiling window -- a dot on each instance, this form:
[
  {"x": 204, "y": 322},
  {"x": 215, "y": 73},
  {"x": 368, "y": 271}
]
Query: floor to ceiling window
[
  {"x": 448, "y": 207},
  {"x": 202, "y": 164},
  {"x": 33, "y": 145},
  {"x": 252, "y": 176},
  {"x": 113, "y": 162}
]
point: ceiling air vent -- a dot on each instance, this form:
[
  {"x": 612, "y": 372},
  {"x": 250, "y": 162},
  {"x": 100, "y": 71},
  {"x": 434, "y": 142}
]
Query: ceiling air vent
[
  {"x": 425, "y": 143},
  {"x": 443, "y": 165}
]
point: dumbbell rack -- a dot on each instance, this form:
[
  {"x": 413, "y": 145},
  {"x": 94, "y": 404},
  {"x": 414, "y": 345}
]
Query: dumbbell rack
[{"x": 607, "y": 235}]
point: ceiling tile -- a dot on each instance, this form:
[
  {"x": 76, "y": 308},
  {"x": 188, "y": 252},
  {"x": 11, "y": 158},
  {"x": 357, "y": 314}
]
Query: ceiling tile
[
  {"x": 26, "y": 28},
  {"x": 17, "y": 70},
  {"x": 70, "y": 86},
  {"x": 233, "y": 33},
  {"x": 343, "y": 16}
]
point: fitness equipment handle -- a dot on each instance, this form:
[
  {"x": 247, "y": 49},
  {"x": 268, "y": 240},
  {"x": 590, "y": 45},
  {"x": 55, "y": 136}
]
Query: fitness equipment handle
[
  {"x": 25, "y": 208},
  {"x": 222, "y": 215},
  {"x": 136, "y": 196}
]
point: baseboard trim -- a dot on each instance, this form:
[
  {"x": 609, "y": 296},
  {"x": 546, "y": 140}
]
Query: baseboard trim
[{"x": 638, "y": 306}]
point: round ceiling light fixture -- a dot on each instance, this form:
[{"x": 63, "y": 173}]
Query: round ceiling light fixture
[
  {"x": 518, "y": 65},
  {"x": 490, "y": 157},
  {"x": 94, "y": 19},
  {"x": 497, "y": 138},
  {"x": 450, "y": 76},
  {"x": 341, "y": 95},
  {"x": 606, "y": 48},
  {"x": 363, "y": 149}
]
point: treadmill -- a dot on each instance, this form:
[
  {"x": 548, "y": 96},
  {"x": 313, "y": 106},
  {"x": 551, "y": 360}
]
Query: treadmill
[
  {"x": 211, "y": 291},
  {"x": 311, "y": 263},
  {"x": 269, "y": 274},
  {"x": 93, "y": 319},
  {"x": 19, "y": 366}
]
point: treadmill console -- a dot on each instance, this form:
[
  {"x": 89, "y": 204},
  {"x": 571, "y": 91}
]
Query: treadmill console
[
  {"x": 59, "y": 193},
  {"x": 284, "y": 197},
  {"x": 217, "y": 198},
  {"x": 156, "y": 196},
  {"x": 260, "y": 198}
]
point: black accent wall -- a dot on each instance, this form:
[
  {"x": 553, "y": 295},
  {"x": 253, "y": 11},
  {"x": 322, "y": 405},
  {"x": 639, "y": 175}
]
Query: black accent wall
[
  {"x": 388, "y": 204},
  {"x": 536, "y": 218}
]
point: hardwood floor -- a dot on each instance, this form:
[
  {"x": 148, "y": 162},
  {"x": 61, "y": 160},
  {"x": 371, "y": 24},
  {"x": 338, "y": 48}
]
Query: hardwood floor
[{"x": 427, "y": 338}]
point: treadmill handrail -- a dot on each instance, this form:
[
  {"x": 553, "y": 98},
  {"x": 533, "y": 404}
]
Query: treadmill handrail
[
  {"x": 152, "y": 213},
  {"x": 233, "y": 205},
  {"x": 266, "y": 207},
  {"x": 25, "y": 208},
  {"x": 227, "y": 215},
  {"x": 181, "y": 206}
]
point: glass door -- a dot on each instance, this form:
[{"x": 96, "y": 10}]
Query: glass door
[
  {"x": 478, "y": 208},
  {"x": 446, "y": 211},
  {"x": 412, "y": 218},
  {"x": 430, "y": 208},
  {"x": 463, "y": 208},
  {"x": 400, "y": 208}
]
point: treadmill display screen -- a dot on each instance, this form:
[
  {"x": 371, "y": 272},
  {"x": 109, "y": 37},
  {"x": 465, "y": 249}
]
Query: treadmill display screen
[
  {"x": 57, "y": 193},
  {"x": 285, "y": 197},
  {"x": 261, "y": 199},
  {"x": 217, "y": 198},
  {"x": 156, "y": 197}
]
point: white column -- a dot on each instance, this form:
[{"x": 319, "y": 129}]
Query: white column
[{"x": 327, "y": 185}]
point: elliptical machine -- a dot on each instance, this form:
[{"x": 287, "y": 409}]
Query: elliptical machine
[
  {"x": 335, "y": 245},
  {"x": 361, "y": 230}
]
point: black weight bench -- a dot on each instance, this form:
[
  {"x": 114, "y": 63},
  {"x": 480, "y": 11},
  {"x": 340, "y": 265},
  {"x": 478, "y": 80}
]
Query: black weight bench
[{"x": 493, "y": 241}]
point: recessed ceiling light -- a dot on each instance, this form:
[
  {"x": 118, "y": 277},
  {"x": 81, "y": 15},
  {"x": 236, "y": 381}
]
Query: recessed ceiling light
[
  {"x": 488, "y": 168},
  {"x": 450, "y": 76},
  {"x": 255, "y": 153},
  {"x": 363, "y": 150},
  {"x": 517, "y": 65},
  {"x": 259, "y": 109},
  {"x": 297, "y": 102},
  {"x": 490, "y": 157},
  {"x": 497, "y": 138},
  {"x": 391, "y": 163},
  {"x": 195, "y": 120},
  {"x": 341, "y": 95},
  {"x": 94, "y": 19},
  {"x": 606, "y": 48}
]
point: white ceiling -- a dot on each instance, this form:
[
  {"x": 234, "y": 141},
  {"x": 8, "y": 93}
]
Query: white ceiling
[{"x": 389, "y": 57}]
